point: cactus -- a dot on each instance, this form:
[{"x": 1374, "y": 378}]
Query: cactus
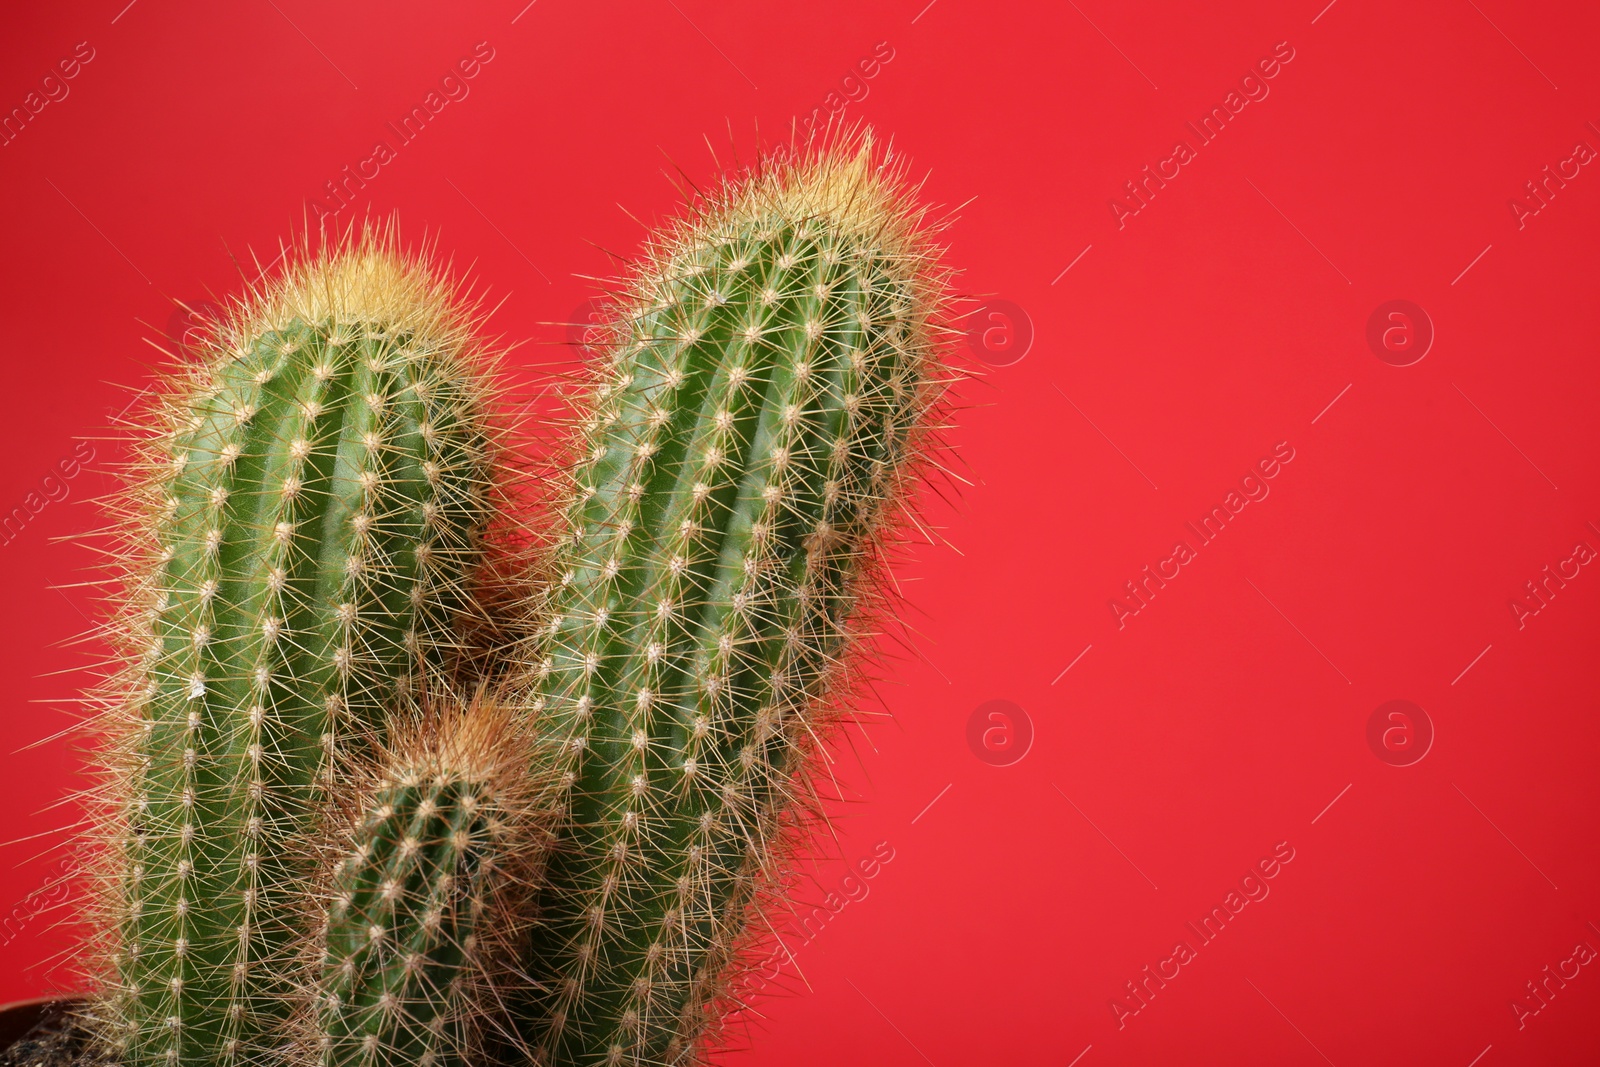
[
  {"x": 744, "y": 456},
  {"x": 306, "y": 518},
  {"x": 429, "y": 892}
]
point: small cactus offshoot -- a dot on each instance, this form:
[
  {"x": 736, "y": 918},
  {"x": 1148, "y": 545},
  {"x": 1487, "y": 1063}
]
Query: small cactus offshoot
[
  {"x": 430, "y": 891},
  {"x": 303, "y": 527}
]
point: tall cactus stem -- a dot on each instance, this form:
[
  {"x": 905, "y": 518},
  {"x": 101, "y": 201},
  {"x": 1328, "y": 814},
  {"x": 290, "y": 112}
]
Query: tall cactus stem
[
  {"x": 743, "y": 460},
  {"x": 305, "y": 517}
]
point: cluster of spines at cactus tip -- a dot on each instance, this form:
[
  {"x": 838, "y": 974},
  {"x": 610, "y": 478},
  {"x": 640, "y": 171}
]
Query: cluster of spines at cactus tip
[
  {"x": 773, "y": 369},
  {"x": 429, "y": 892},
  {"x": 305, "y": 520}
]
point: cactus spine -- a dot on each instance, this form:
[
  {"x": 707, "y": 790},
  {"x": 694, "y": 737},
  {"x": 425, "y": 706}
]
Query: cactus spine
[
  {"x": 429, "y": 893},
  {"x": 773, "y": 367},
  {"x": 305, "y": 528}
]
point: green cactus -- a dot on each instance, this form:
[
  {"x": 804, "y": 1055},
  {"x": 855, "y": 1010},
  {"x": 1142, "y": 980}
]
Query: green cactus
[
  {"x": 429, "y": 893},
  {"x": 744, "y": 454},
  {"x": 302, "y": 538}
]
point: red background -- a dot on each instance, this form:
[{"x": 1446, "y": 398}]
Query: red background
[{"x": 1220, "y": 320}]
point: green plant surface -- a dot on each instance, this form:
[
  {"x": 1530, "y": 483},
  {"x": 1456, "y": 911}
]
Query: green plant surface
[
  {"x": 310, "y": 511},
  {"x": 744, "y": 457},
  {"x": 429, "y": 895}
]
